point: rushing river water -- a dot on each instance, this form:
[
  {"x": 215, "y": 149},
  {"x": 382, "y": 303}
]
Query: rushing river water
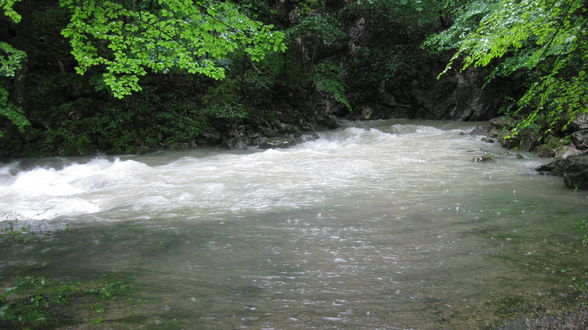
[{"x": 384, "y": 224}]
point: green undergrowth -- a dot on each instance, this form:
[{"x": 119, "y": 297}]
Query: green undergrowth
[{"x": 10, "y": 230}]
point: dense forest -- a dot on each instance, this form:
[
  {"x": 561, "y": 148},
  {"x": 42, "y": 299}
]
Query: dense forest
[{"x": 127, "y": 76}]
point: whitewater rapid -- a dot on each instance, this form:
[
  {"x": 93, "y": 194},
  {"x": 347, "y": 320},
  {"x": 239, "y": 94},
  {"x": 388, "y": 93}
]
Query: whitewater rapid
[{"x": 382, "y": 161}]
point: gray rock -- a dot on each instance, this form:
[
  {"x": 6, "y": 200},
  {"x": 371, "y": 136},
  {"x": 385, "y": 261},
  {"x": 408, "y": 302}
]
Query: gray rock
[
  {"x": 580, "y": 123},
  {"x": 480, "y": 130},
  {"x": 528, "y": 142},
  {"x": 236, "y": 143},
  {"x": 545, "y": 151},
  {"x": 366, "y": 112},
  {"x": 267, "y": 131},
  {"x": 577, "y": 180},
  {"x": 501, "y": 122},
  {"x": 574, "y": 169},
  {"x": 483, "y": 158},
  {"x": 580, "y": 139},
  {"x": 566, "y": 151},
  {"x": 455, "y": 96}
]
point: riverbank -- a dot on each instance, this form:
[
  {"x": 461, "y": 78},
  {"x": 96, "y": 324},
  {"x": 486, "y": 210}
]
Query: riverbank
[{"x": 568, "y": 145}]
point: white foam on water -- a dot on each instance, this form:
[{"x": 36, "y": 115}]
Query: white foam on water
[
  {"x": 45, "y": 193},
  {"x": 378, "y": 163}
]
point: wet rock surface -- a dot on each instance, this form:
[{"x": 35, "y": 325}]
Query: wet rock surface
[
  {"x": 569, "y": 147},
  {"x": 580, "y": 139},
  {"x": 482, "y": 158},
  {"x": 279, "y": 142},
  {"x": 580, "y": 123},
  {"x": 574, "y": 169}
]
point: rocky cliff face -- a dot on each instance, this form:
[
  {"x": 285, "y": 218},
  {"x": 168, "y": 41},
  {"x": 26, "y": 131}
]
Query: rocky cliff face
[
  {"x": 457, "y": 96},
  {"x": 401, "y": 80}
]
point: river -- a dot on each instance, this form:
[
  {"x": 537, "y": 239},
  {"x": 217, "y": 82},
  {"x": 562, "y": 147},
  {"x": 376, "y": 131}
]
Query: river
[{"x": 381, "y": 224}]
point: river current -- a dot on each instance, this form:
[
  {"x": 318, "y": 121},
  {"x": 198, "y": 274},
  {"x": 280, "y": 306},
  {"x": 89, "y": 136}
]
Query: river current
[{"x": 382, "y": 224}]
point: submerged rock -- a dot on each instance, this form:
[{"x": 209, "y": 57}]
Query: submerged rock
[
  {"x": 279, "y": 142},
  {"x": 482, "y": 158},
  {"x": 574, "y": 169}
]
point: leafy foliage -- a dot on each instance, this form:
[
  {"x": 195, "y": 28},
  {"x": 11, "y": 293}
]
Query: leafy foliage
[
  {"x": 130, "y": 39},
  {"x": 467, "y": 16},
  {"x": 147, "y": 120},
  {"x": 10, "y": 59},
  {"x": 11, "y": 230},
  {"x": 325, "y": 28},
  {"x": 548, "y": 39},
  {"x": 10, "y": 62},
  {"x": 8, "y": 10},
  {"x": 328, "y": 78},
  {"x": 353, "y": 52},
  {"x": 37, "y": 302},
  {"x": 581, "y": 228}
]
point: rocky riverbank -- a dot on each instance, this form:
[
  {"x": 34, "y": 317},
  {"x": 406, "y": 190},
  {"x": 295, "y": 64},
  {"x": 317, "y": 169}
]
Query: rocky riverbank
[{"x": 567, "y": 145}]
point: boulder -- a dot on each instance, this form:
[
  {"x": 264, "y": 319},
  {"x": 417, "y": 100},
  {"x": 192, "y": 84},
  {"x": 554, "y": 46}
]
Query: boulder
[
  {"x": 501, "y": 122},
  {"x": 566, "y": 151},
  {"x": 528, "y": 142},
  {"x": 480, "y": 130},
  {"x": 545, "y": 151},
  {"x": 574, "y": 169},
  {"x": 236, "y": 143},
  {"x": 577, "y": 180},
  {"x": 580, "y": 139},
  {"x": 482, "y": 158},
  {"x": 580, "y": 123}
]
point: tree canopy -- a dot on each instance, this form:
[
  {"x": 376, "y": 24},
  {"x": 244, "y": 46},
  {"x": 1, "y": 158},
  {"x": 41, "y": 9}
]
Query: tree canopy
[
  {"x": 127, "y": 39},
  {"x": 82, "y": 69},
  {"x": 546, "y": 39}
]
